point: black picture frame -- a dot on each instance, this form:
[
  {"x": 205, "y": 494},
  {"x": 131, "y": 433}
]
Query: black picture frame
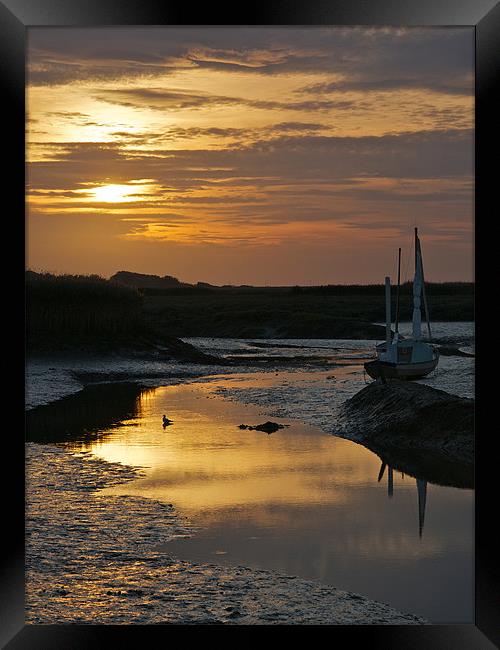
[{"x": 18, "y": 15}]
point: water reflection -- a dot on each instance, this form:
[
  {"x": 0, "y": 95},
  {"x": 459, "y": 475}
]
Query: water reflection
[
  {"x": 427, "y": 465},
  {"x": 88, "y": 414},
  {"x": 421, "y": 491},
  {"x": 298, "y": 501}
]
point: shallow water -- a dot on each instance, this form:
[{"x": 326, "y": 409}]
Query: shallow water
[
  {"x": 300, "y": 501},
  {"x": 453, "y": 374},
  {"x": 297, "y": 501},
  {"x": 94, "y": 559}
]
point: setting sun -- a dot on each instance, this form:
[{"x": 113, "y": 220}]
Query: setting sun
[{"x": 114, "y": 193}]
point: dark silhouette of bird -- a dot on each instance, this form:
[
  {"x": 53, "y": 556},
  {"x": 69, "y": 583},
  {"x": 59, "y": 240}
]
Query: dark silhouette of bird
[{"x": 166, "y": 421}]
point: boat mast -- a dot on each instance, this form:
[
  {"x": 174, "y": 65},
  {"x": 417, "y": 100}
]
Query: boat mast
[
  {"x": 417, "y": 289},
  {"x": 396, "y": 326},
  {"x": 388, "y": 311}
]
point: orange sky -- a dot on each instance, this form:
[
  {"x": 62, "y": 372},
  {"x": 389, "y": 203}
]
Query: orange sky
[{"x": 250, "y": 155}]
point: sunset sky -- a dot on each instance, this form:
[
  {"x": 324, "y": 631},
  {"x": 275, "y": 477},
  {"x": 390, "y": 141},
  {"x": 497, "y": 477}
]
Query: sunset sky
[{"x": 250, "y": 155}]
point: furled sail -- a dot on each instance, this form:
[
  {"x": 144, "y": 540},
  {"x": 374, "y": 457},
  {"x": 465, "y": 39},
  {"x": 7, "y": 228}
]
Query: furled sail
[{"x": 417, "y": 290}]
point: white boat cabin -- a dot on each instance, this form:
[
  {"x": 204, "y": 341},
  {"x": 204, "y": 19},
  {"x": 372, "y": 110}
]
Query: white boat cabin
[{"x": 402, "y": 350}]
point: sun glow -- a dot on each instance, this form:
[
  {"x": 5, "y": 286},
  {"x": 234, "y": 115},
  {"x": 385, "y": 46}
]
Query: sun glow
[
  {"x": 136, "y": 190},
  {"x": 115, "y": 193},
  {"x": 262, "y": 155}
]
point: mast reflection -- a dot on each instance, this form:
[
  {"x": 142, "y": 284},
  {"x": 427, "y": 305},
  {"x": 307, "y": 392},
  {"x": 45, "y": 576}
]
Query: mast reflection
[{"x": 421, "y": 492}]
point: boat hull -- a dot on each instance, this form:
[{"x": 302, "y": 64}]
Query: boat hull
[{"x": 386, "y": 370}]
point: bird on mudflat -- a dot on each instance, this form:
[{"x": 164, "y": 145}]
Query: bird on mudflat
[{"x": 166, "y": 421}]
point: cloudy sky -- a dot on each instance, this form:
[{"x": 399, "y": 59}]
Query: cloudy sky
[{"x": 250, "y": 155}]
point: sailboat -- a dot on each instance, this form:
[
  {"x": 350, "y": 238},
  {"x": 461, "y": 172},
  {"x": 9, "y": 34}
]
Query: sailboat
[{"x": 399, "y": 357}]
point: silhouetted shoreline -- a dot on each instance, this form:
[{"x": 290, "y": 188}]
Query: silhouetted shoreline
[
  {"x": 401, "y": 417},
  {"x": 90, "y": 313}
]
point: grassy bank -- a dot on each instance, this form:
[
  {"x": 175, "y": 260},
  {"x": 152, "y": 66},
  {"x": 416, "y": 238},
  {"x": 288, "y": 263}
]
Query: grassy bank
[
  {"x": 81, "y": 310},
  {"x": 295, "y": 312}
]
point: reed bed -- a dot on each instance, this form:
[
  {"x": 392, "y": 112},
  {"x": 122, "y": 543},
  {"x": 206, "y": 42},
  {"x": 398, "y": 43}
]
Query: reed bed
[{"x": 87, "y": 306}]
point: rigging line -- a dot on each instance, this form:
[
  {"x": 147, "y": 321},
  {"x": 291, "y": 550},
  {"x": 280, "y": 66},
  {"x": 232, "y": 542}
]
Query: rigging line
[
  {"x": 395, "y": 271},
  {"x": 398, "y": 291},
  {"x": 408, "y": 257},
  {"x": 407, "y": 261},
  {"x": 423, "y": 294},
  {"x": 406, "y": 252}
]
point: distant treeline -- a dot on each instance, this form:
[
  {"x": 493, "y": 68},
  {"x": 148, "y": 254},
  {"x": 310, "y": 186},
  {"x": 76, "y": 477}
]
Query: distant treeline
[
  {"x": 175, "y": 291},
  {"x": 66, "y": 306},
  {"x": 434, "y": 288},
  {"x": 168, "y": 285}
]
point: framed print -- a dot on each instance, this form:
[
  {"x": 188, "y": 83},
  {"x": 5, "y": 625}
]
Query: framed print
[{"x": 250, "y": 301}]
